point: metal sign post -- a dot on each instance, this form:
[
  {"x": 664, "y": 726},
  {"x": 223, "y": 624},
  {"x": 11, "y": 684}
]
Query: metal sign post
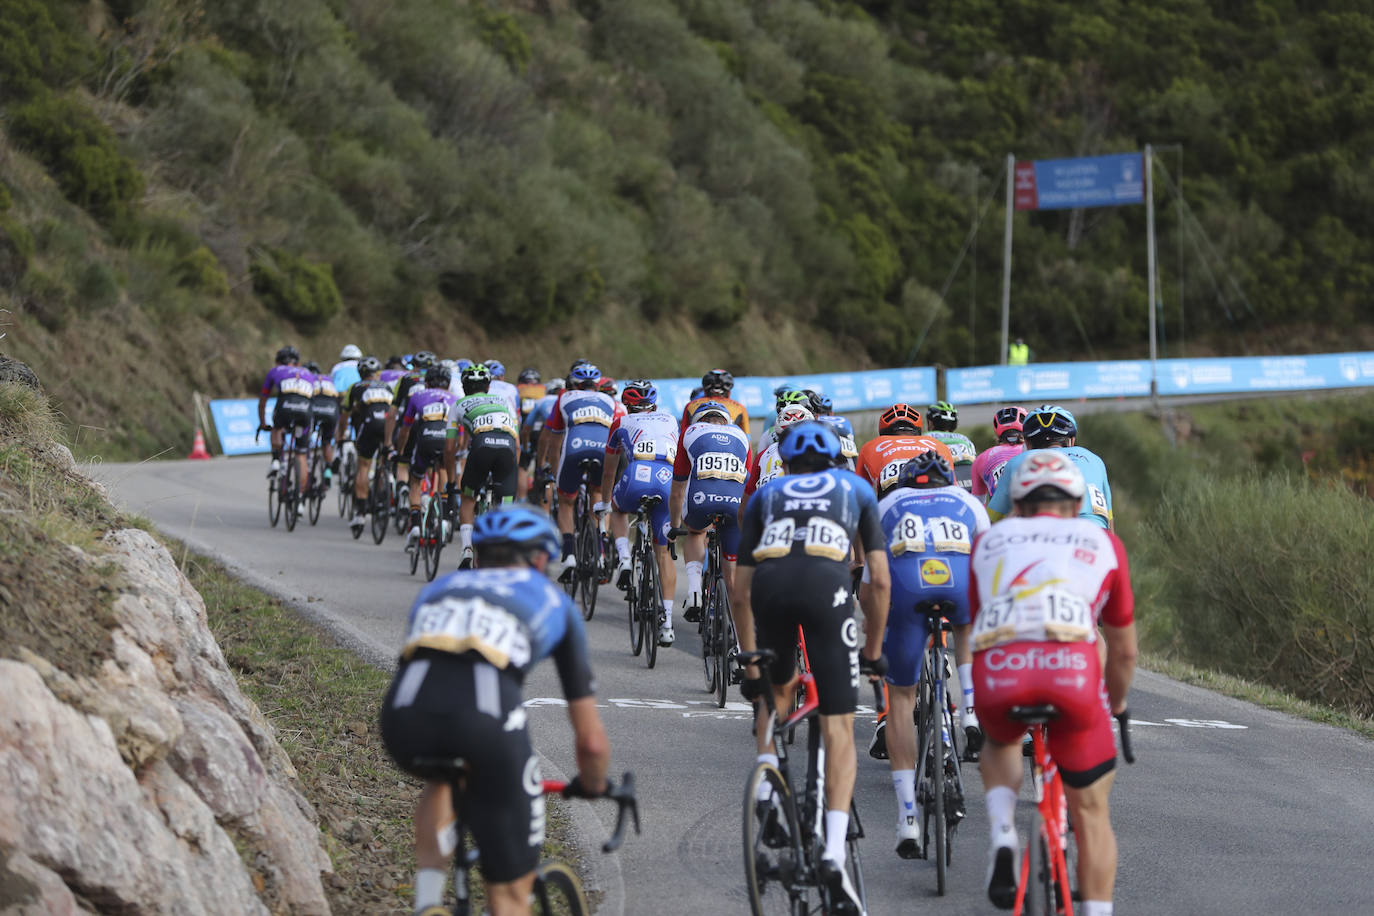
[
  {"x": 1006, "y": 257},
  {"x": 1150, "y": 262}
]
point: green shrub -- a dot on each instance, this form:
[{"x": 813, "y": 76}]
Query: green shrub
[
  {"x": 97, "y": 286},
  {"x": 16, "y": 250},
  {"x": 35, "y": 50},
  {"x": 6, "y": 200},
  {"x": 80, "y": 151},
  {"x": 200, "y": 271},
  {"x": 295, "y": 288},
  {"x": 500, "y": 32},
  {"x": 1268, "y": 577},
  {"x": 47, "y": 298}
]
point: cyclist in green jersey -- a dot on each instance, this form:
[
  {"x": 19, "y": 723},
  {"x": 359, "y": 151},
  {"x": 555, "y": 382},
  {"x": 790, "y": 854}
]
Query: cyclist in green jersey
[
  {"x": 490, "y": 428},
  {"x": 941, "y": 422}
]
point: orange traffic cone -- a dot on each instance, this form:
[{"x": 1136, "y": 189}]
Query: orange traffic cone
[{"x": 198, "y": 451}]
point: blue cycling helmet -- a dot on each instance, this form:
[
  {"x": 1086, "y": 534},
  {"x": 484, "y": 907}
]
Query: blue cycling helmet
[
  {"x": 785, "y": 386},
  {"x": 710, "y": 407},
  {"x": 1046, "y": 424},
  {"x": 585, "y": 375},
  {"x": 697, "y": 392},
  {"x": 497, "y": 370},
  {"x": 821, "y": 404},
  {"x": 463, "y": 363},
  {"x": 809, "y": 438},
  {"x": 519, "y": 526},
  {"x": 928, "y": 469}
]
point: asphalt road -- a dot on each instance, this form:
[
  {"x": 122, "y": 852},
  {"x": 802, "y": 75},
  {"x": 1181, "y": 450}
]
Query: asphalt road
[{"x": 1230, "y": 809}]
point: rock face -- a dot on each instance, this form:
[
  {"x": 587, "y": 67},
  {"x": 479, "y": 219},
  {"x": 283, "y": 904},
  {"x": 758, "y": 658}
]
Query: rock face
[{"x": 153, "y": 786}]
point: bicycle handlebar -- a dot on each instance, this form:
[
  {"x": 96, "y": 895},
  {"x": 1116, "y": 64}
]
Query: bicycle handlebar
[
  {"x": 1123, "y": 721},
  {"x": 623, "y": 795}
]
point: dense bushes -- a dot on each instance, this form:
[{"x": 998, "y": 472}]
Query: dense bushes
[{"x": 295, "y": 288}]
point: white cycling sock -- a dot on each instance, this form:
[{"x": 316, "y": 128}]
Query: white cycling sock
[
  {"x": 622, "y": 547},
  {"x": 836, "y": 826},
  {"x": 693, "y": 577},
  {"x": 765, "y": 788},
  {"x": 1001, "y": 803},
  {"x": 1097, "y": 908},
  {"x": 904, "y": 784},
  {"x": 429, "y": 887},
  {"x": 966, "y": 682},
  {"x": 668, "y": 613},
  {"x": 465, "y": 534}
]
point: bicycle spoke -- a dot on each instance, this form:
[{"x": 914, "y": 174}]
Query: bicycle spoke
[{"x": 769, "y": 845}]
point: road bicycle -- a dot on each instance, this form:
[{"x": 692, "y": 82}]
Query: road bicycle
[
  {"x": 379, "y": 493},
  {"x": 939, "y": 783},
  {"x": 348, "y": 477},
  {"x": 589, "y": 548},
  {"x": 719, "y": 644},
  {"x": 283, "y": 490},
  {"x": 557, "y": 889},
  {"x": 314, "y": 492},
  {"x": 645, "y": 596},
  {"x": 430, "y": 543},
  {"x": 1043, "y": 887},
  {"x": 784, "y": 837}
]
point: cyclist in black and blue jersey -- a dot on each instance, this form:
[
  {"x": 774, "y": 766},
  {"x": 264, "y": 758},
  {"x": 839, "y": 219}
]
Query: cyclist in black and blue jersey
[
  {"x": 472, "y": 639},
  {"x": 794, "y": 570}
]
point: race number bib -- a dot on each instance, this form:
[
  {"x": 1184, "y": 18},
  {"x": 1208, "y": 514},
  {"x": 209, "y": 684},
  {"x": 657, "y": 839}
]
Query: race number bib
[
  {"x": 721, "y": 466},
  {"x": 298, "y": 386},
  {"x": 648, "y": 449},
  {"x": 847, "y": 447},
  {"x": 497, "y": 421},
  {"x": 436, "y": 410},
  {"x": 949, "y": 536},
  {"x": 891, "y": 471},
  {"x": 776, "y": 540},
  {"x": 589, "y": 414},
  {"x": 1041, "y": 616},
  {"x": 819, "y": 537},
  {"x": 1097, "y": 501},
  {"x": 462, "y": 624},
  {"x": 909, "y": 536}
]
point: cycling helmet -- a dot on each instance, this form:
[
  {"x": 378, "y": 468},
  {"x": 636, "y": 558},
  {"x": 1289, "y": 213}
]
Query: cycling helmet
[
  {"x": 497, "y": 370},
  {"x": 437, "y": 377},
  {"x": 578, "y": 362},
  {"x": 395, "y": 362},
  {"x": 639, "y": 395},
  {"x": 449, "y": 364},
  {"x": 785, "y": 386},
  {"x": 793, "y": 396},
  {"x": 422, "y": 360},
  {"x": 1046, "y": 474},
  {"x": 717, "y": 380},
  {"x": 697, "y": 392},
  {"x": 554, "y": 385},
  {"x": 463, "y": 363},
  {"x": 351, "y": 351},
  {"x": 928, "y": 469},
  {"x": 584, "y": 376},
  {"x": 529, "y": 376},
  {"x": 710, "y": 407},
  {"x": 809, "y": 438},
  {"x": 312, "y": 366},
  {"x": 607, "y": 386},
  {"x": 1006, "y": 424},
  {"x": 821, "y": 404},
  {"x": 518, "y": 526},
  {"x": 1048, "y": 424},
  {"x": 942, "y": 417},
  {"x": 899, "y": 418},
  {"x": 369, "y": 365},
  {"x": 288, "y": 354},
  {"x": 793, "y": 414},
  {"x": 408, "y": 359},
  {"x": 476, "y": 377}
]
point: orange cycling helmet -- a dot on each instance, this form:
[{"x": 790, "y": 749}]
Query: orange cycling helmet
[{"x": 898, "y": 416}]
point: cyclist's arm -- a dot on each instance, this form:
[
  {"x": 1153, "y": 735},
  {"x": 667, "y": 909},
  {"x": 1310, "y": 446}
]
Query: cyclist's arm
[
  {"x": 575, "y": 676},
  {"x": 1118, "y": 629},
  {"x": 262, "y": 409},
  {"x": 677, "y": 496},
  {"x": 751, "y": 529},
  {"x": 879, "y": 591},
  {"x": 549, "y": 441}
]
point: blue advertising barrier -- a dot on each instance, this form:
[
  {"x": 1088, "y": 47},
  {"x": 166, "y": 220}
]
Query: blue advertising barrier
[
  {"x": 848, "y": 390},
  {"x": 1094, "y": 181},
  {"x": 1049, "y": 382},
  {"x": 236, "y": 423}
]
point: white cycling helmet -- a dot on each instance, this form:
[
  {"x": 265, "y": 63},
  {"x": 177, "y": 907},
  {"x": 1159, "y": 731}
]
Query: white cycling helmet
[
  {"x": 1046, "y": 468},
  {"x": 791, "y": 414},
  {"x": 351, "y": 352}
]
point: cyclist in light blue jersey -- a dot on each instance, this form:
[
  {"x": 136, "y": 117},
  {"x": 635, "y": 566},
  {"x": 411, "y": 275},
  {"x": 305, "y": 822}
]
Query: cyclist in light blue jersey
[
  {"x": 930, "y": 523},
  {"x": 1051, "y": 426},
  {"x": 824, "y": 410}
]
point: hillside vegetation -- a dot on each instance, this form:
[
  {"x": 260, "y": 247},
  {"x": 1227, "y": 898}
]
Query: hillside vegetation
[{"x": 778, "y": 184}]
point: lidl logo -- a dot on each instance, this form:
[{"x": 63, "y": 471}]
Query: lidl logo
[{"x": 935, "y": 571}]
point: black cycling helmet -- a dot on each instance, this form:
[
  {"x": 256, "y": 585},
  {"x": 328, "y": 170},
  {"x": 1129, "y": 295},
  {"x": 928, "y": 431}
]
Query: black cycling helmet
[
  {"x": 368, "y": 366},
  {"x": 942, "y": 417},
  {"x": 717, "y": 380},
  {"x": 1048, "y": 425},
  {"x": 928, "y": 469},
  {"x": 395, "y": 362},
  {"x": 529, "y": 376},
  {"x": 312, "y": 366},
  {"x": 476, "y": 378},
  {"x": 422, "y": 360},
  {"x": 817, "y": 403},
  {"x": 288, "y": 354},
  {"x": 437, "y": 377}
]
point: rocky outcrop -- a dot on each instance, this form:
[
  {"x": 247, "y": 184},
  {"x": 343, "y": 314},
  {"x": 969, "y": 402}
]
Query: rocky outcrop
[{"x": 151, "y": 785}]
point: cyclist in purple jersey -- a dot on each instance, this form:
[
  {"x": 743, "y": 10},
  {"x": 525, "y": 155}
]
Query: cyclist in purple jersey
[
  {"x": 424, "y": 432},
  {"x": 293, "y": 387}
]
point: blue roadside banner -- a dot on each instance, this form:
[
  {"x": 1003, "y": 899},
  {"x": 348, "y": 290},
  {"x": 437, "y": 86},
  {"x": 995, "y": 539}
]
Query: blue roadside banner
[
  {"x": 868, "y": 390},
  {"x": 236, "y": 423},
  {"x": 1095, "y": 181}
]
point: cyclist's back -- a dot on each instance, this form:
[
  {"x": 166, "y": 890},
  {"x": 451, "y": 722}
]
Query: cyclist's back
[
  {"x": 1097, "y": 505},
  {"x": 584, "y": 416}
]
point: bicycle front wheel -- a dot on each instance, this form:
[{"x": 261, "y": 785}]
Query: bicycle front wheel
[
  {"x": 771, "y": 843},
  {"x": 274, "y": 499},
  {"x": 558, "y": 892},
  {"x": 315, "y": 499},
  {"x": 632, "y": 601},
  {"x": 852, "y": 863},
  {"x": 588, "y": 563},
  {"x": 721, "y": 640},
  {"x": 432, "y": 537},
  {"x": 939, "y": 823},
  {"x": 379, "y": 506},
  {"x": 651, "y": 604},
  {"x": 291, "y": 491}
]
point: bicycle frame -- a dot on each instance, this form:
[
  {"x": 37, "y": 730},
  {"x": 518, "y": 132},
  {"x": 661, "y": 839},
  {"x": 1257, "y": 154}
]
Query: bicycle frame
[{"x": 1052, "y": 806}]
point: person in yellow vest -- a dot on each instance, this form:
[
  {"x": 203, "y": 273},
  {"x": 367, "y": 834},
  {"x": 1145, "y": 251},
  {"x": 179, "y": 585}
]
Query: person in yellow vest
[{"x": 1018, "y": 354}]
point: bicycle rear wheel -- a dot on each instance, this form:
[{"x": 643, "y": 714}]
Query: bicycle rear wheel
[
  {"x": 721, "y": 640},
  {"x": 651, "y": 604},
  {"x": 708, "y": 643},
  {"x": 937, "y": 788},
  {"x": 274, "y": 499},
  {"x": 315, "y": 495},
  {"x": 558, "y": 892},
  {"x": 770, "y": 846},
  {"x": 852, "y": 862},
  {"x": 400, "y": 518},
  {"x": 1040, "y": 884},
  {"x": 379, "y": 505},
  {"x": 588, "y": 563},
  {"x": 349, "y": 479},
  {"x": 632, "y": 601},
  {"x": 432, "y": 537},
  {"x": 291, "y": 491}
]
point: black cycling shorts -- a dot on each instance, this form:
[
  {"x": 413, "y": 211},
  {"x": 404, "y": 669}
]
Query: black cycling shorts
[
  {"x": 294, "y": 413},
  {"x": 494, "y": 454},
  {"x": 425, "y": 453},
  {"x": 370, "y": 439},
  {"x": 326, "y": 419},
  {"x": 799, "y": 590},
  {"x": 444, "y": 705}
]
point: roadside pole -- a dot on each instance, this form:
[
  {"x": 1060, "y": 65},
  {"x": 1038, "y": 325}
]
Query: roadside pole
[
  {"x": 1150, "y": 262},
  {"x": 1006, "y": 256}
]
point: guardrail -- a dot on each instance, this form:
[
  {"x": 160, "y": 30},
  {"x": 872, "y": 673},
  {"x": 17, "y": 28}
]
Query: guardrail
[{"x": 236, "y": 419}]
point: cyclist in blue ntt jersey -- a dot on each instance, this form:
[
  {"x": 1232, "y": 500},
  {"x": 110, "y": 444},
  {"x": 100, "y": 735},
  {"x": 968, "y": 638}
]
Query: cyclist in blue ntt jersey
[
  {"x": 471, "y": 640},
  {"x": 1051, "y": 426}
]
